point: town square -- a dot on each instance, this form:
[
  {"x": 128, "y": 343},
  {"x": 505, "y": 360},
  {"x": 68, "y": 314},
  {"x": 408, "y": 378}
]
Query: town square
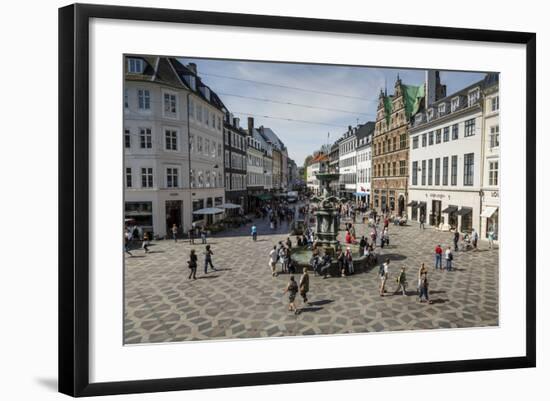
[{"x": 260, "y": 204}]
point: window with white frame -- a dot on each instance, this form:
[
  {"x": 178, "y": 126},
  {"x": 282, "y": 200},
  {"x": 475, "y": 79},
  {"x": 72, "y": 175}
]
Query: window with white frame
[
  {"x": 170, "y": 104},
  {"x": 144, "y": 99},
  {"x": 147, "y": 177},
  {"x": 199, "y": 113},
  {"x": 171, "y": 139},
  {"x": 493, "y": 173},
  {"x": 424, "y": 140},
  {"x": 128, "y": 177},
  {"x": 145, "y": 138},
  {"x": 446, "y": 134},
  {"x": 469, "y": 127},
  {"x": 192, "y": 178},
  {"x": 199, "y": 144},
  {"x": 454, "y": 170},
  {"x": 127, "y": 139},
  {"x": 200, "y": 179},
  {"x": 455, "y": 102},
  {"x": 469, "y": 169},
  {"x": 135, "y": 65},
  {"x": 495, "y": 136},
  {"x": 207, "y": 179},
  {"x": 191, "y": 142},
  {"x": 473, "y": 97},
  {"x": 455, "y": 131},
  {"x": 213, "y": 149},
  {"x": 219, "y": 150},
  {"x": 415, "y": 142},
  {"x": 494, "y": 103},
  {"x": 206, "y": 116},
  {"x": 172, "y": 177},
  {"x": 441, "y": 109},
  {"x": 226, "y": 161},
  {"x": 206, "y": 146}
]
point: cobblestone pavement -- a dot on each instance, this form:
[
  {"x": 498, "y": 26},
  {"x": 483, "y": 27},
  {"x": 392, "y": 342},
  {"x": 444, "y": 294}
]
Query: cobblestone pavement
[{"x": 243, "y": 300}]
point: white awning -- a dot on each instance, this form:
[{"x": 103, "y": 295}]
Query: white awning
[
  {"x": 489, "y": 211},
  {"x": 230, "y": 206},
  {"x": 208, "y": 210}
]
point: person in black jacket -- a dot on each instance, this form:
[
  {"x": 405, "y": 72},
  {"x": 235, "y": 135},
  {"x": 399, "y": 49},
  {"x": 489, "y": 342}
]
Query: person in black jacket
[{"x": 192, "y": 262}]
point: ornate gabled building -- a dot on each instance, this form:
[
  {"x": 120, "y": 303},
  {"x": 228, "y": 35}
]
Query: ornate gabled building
[{"x": 390, "y": 147}]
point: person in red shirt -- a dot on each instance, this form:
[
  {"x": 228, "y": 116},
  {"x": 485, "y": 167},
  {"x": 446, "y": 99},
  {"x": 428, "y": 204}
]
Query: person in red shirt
[{"x": 438, "y": 255}]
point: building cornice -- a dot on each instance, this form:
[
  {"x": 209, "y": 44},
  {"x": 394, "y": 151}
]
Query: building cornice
[{"x": 447, "y": 118}]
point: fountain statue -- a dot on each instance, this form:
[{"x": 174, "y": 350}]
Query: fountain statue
[{"x": 327, "y": 214}]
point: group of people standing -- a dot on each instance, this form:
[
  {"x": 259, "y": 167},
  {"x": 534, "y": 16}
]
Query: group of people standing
[
  {"x": 401, "y": 281},
  {"x": 192, "y": 263}
]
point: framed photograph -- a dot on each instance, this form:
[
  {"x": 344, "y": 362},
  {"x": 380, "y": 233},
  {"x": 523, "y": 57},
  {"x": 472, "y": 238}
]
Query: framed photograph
[{"x": 251, "y": 199}]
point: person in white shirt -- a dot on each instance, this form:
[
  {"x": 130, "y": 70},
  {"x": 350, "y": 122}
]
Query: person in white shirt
[
  {"x": 384, "y": 274},
  {"x": 273, "y": 261},
  {"x": 449, "y": 259}
]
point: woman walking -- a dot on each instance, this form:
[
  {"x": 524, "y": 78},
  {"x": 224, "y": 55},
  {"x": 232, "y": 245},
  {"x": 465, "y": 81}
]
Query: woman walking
[
  {"x": 421, "y": 271},
  {"x": 401, "y": 282},
  {"x": 145, "y": 244},
  {"x": 192, "y": 263},
  {"x": 292, "y": 289}
]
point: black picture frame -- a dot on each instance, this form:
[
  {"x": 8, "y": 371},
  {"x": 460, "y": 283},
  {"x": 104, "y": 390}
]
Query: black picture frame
[{"x": 74, "y": 205}]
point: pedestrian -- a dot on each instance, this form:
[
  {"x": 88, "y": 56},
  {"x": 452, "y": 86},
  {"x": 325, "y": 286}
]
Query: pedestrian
[
  {"x": 438, "y": 255},
  {"x": 421, "y": 271},
  {"x": 145, "y": 244},
  {"x": 386, "y": 222},
  {"x": 254, "y": 231},
  {"x": 191, "y": 235},
  {"x": 348, "y": 258},
  {"x": 401, "y": 282},
  {"x": 422, "y": 220},
  {"x": 475, "y": 237},
  {"x": 384, "y": 273},
  {"x": 127, "y": 243},
  {"x": 424, "y": 296},
  {"x": 272, "y": 224},
  {"x": 192, "y": 263},
  {"x": 175, "y": 232},
  {"x": 203, "y": 235},
  {"x": 208, "y": 259},
  {"x": 456, "y": 238},
  {"x": 273, "y": 256},
  {"x": 491, "y": 237},
  {"x": 348, "y": 237},
  {"x": 340, "y": 258},
  {"x": 288, "y": 243},
  {"x": 292, "y": 289},
  {"x": 362, "y": 245},
  {"x": 304, "y": 285},
  {"x": 449, "y": 259}
]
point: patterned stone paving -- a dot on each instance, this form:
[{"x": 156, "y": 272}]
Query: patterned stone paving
[{"x": 243, "y": 300}]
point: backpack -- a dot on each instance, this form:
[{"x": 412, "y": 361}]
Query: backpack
[
  {"x": 381, "y": 270},
  {"x": 450, "y": 256}
]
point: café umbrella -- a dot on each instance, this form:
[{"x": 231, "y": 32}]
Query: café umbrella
[
  {"x": 231, "y": 206},
  {"x": 208, "y": 210}
]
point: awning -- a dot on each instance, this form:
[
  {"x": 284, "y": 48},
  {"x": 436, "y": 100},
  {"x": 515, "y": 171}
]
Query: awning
[
  {"x": 230, "y": 206},
  {"x": 412, "y": 203},
  {"x": 489, "y": 211},
  {"x": 450, "y": 209},
  {"x": 422, "y": 204},
  {"x": 208, "y": 210},
  {"x": 464, "y": 211},
  {"x": 360, "y": 193}
]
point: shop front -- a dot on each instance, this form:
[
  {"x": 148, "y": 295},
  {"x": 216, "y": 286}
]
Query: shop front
[
  {"x": 490, "y": 215},
  {"x": 465, "y": 219}
]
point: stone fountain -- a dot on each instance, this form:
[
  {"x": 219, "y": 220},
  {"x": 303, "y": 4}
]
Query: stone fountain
[{"x": 327, "y": 216}]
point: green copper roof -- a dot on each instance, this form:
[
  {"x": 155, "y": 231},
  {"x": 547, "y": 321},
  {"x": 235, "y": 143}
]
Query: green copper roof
[{"x": 412, "y": 96}]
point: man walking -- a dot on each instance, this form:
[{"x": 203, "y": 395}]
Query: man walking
[
  {"x": 438, "y": 254},
  {"x": 292, "y": 289},
  {"x": 422, "y": 220},
  {"x": 175, "y": 232},
  {"x": 273, "y": 260},
  {"x": 401, "y": 282},
  {"x": 254, "y": 232},
  {"x": 192, "y": 263},
  {"x": 475, "y": 237},
  {"x": 456, "y": 238},
  {"x": 449, "y": 259},
  {"x": 384, "y": 273},
  {"x": 208, "y": 259}
]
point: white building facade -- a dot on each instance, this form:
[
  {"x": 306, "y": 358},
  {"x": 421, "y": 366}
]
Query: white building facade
[
  {"x": 491, "y": 172},
  {"x": 347, "y": 164},
  {"x": 446, "y": 162},
  {"x": 172, "y": 145},
  {"x": 364, "y": 163}
]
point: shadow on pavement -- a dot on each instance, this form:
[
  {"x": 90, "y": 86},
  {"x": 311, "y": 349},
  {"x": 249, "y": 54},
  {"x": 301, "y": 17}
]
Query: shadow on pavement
[{"x": 321, "y": 302}]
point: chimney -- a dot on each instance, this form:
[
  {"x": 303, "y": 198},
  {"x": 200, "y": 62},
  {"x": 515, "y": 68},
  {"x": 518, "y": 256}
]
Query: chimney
[
  {"x": 192, "y": 67},
  {"x": 227, "y": 117},
  {"x": 250, "y": 125},
  {"x": 236, "y": 122},
  {"x": 434, "y": 90}
]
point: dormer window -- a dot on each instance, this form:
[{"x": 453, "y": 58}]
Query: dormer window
[
  {"x": 191, "y": 81},
  {"x": 430, "y": 114},
  {"x": 418, "y": 118},
  {"x": 206, "y": 92},
  {"x": 441, "y": 109},
  {"x": 135, "y": 65},
  {"x": 455, "y": 103},
  {"x": 473, "y": 96}
]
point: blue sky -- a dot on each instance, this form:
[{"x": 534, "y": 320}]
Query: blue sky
[{"x": 357, "y": 87}]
